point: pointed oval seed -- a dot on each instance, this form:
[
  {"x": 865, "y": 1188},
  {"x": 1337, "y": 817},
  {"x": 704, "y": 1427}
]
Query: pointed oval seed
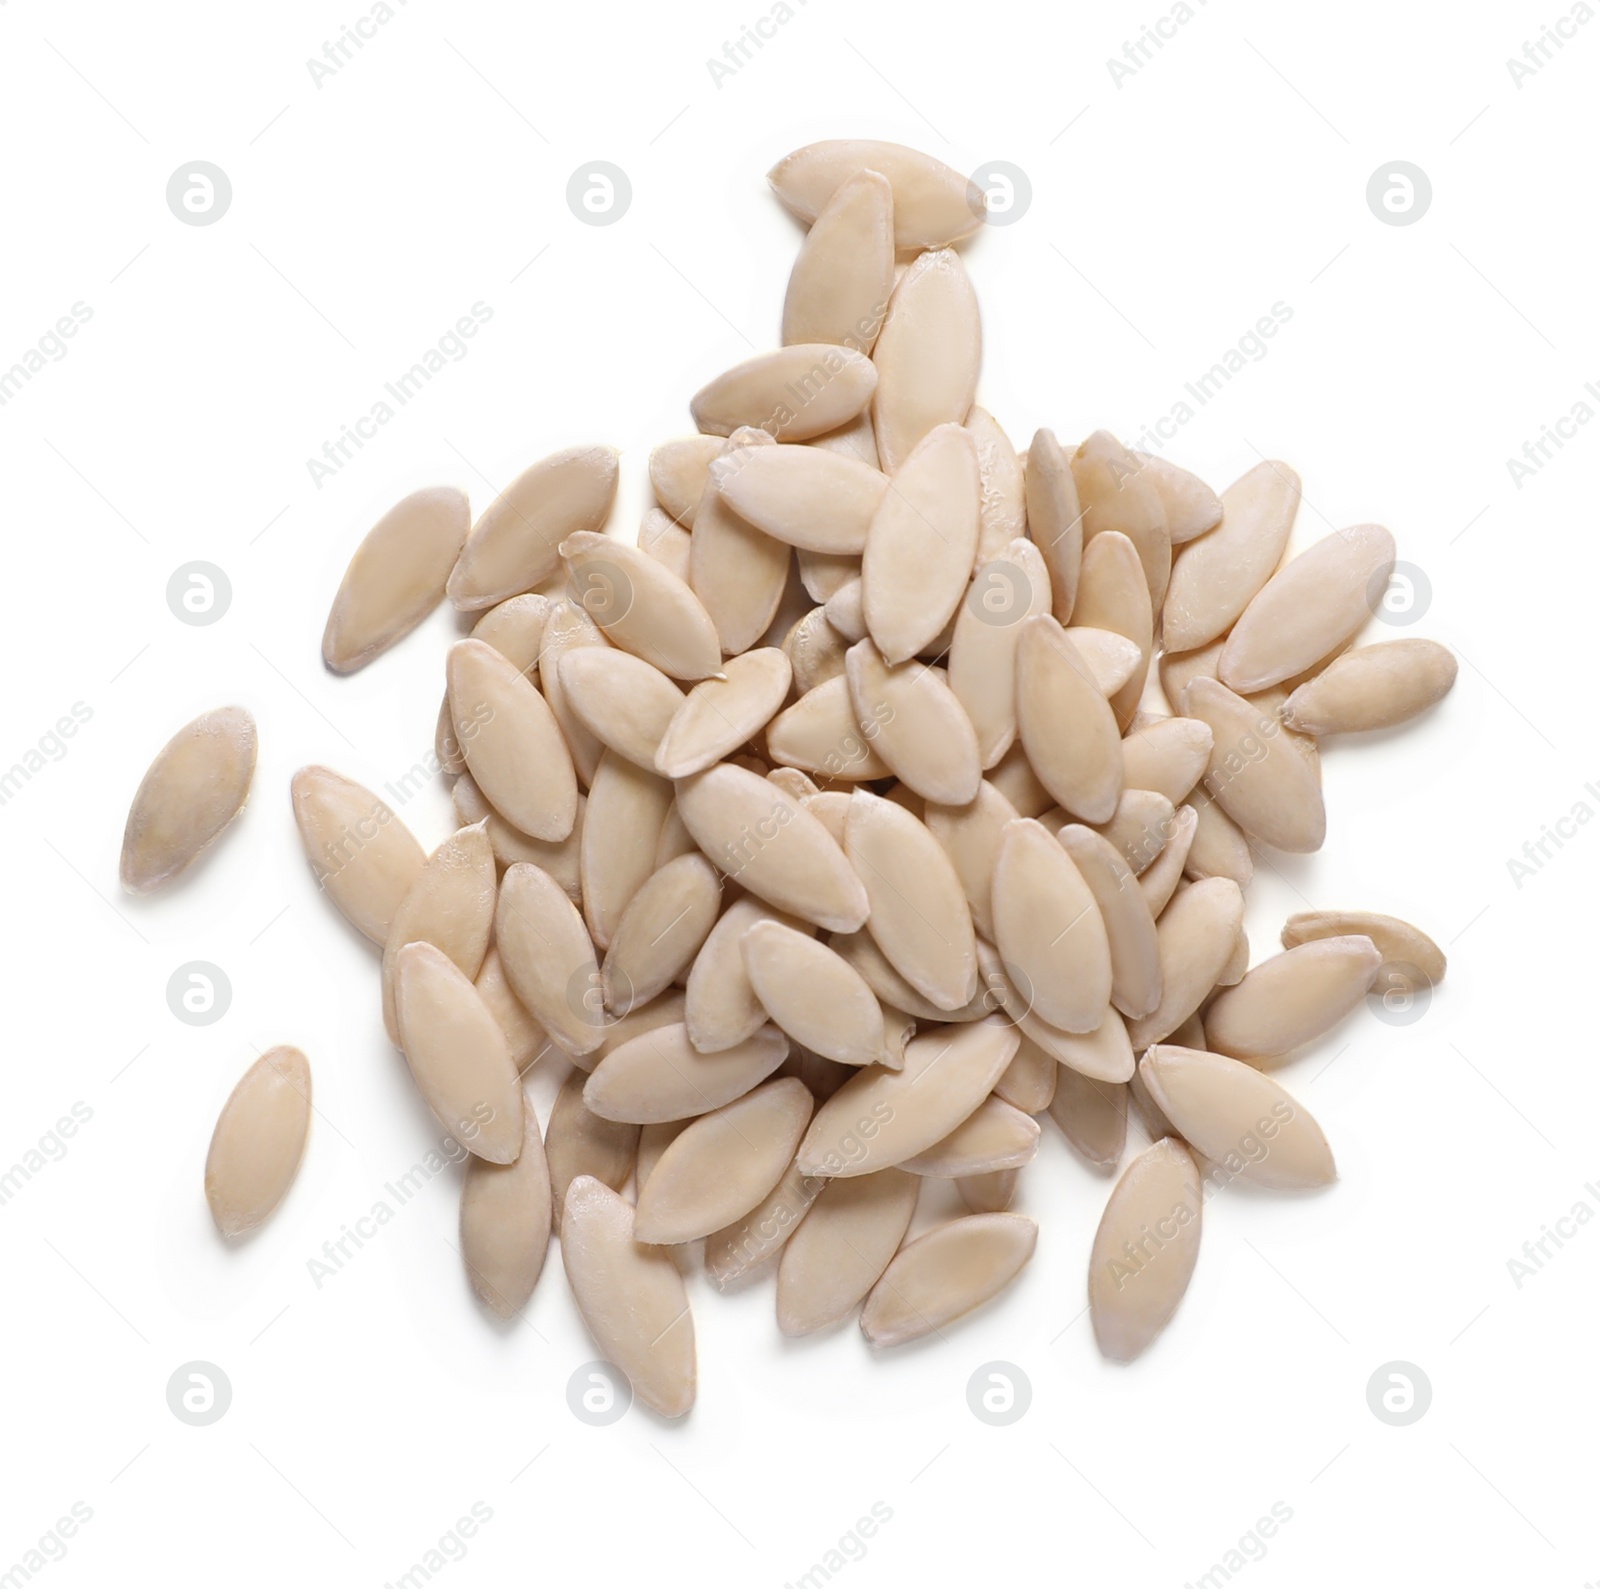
[
  {"x": 548, "y": 958},
  {"x": 842, "y": 1247},
  {"x": 1217, "y": 1104},
  {"x": 1397, "y": 941},
  {"x": 1196, "y": 937},
  {"x": 1066, "y": 726},
  {"x": 723, "y": 1164},
  {"x": 259, "y": 1140},
  {"x": 365, "y": 857},
  {"x": 678, "y": 475},
  {"x": 827, "y": 386},
  {"x": 995, "y": 1136},
  {"x": 513, "y": 545},
  {"x": 1130, "y": 1304},
  {"x": 1218, "y": 576},
  {"x": 1130, "y": 928},
  {"x": 1308, "y": 608},
  {"x": 1092, "y": 1115},
  {"x": 621, "y": 699},
  {"x": 819, "y": 999},
  {"x": 659, "y": 1076},
  {"x": 505, "y": 1223},
  {"x": 458, "y": 1055},
  {"x": 1372, "y": 687},
  {"x": 803, "y": 496},
  {"x": 631, "y": 1296},
  {"x": 396, "y": 576},
  {"x": 512, "y": 743},
  {"x": 843, "y": 275},
  {"x": 1291, "y": 998},
  {"x": 768, "y": 842},
  {"x": 721, "y": 714},
  {"x": 916, "y": 725},
  {"x": 945, "y": 1274},
  {"x": 195, "y": 787}
]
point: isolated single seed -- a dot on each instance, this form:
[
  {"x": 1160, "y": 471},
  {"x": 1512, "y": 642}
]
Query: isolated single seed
[
  {"x": 1372, "y": 687},
  {"x": 793, "y": 393},
  {"x": 1160, "y": 879},
  {"x": 259, "y": 1140},
  {"x": 1049, "y": 928},
  {"x": 723, "y": 1164},
  {"x": 1308, "y": 608},
  {"x": 451, "y": 905},
  {"x": 458, "y": 1055},
  {"x": 820, "y": 734},
  {"x": 621, "y": 699},
  {"x": 525, "y": 1037},
  {"x": 918, "y": 916},
  {"x": 922, "y": 543},
  {"x": 678, "y": 475},
  {"x": 1112, "y": 595},
  {"x": 843, "y": 275},
  {"x": 1229, "y": 1112},
  {"x": 505, "y": 1223},
  {"x": 548, "y": 958},
  {"x": 842, "y": 1247},
  {"x": 1196, "y": 936},
  {"x": 916, "y": 724},
  {"x": 1216, "y": 577},
  {"x": 569, "y": 628},
  {"x": 995, "y": 1136},
  {"x": 819, "y": 999},
  {"x": 396, "y": 577},
  {"x": 1130, "y": 928},
  {"x": 1066, "y": 726},
  {"x": 661, "y": 931},
  {"x": 1292, "y": 998},
  {"x": 947, "y": 1273},
  {"x": 753, "y": 1238},
  {"x": 1029, "y": 1082},
  {"x": 1092, "y": 1115},
  {"x": 948, "y": 1072},
  {"x": 195, "y": 787},
  {"x": 970, "y": 836},
  {"x": 738, "y": 572},
  {"x": 933, "y": 205},
  {"x": 1397, "y": 941},
  {"x": 1115, "y": 494},
  {"x": 1145, "y": 1250},
  {"x": 721, "y": 714},
  {"x": 513, "y": 545},
  {"x": 1265, "y": 776},
  {"x": 513, "y": 747},
  {"x": 631, "y": 1297},
  {"x": 765, "y": 840},
  {"x": 364, "y": 856},
  {"x": 1191, "y": 506},
  {"x": 1007, "y": 589},
  {"x": 927, "y": 356},
  {"x": 1168, "y": 755},
  {"x": 579, "y": 1142},
  {"x": 666, "y": 540},
  {"x": 621, "y": 829}
]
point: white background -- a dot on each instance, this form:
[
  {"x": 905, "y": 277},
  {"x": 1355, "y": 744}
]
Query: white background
[{"x": 1168, "y": 214}]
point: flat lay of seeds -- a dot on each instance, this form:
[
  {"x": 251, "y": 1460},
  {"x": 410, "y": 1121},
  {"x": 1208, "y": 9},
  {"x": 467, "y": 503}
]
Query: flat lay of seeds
[{"x": 887, "y": 799}]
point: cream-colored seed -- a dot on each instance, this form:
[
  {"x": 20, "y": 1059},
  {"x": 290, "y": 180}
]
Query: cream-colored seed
[
  {"x": 259, "y": 1140},
  {"x": 193, "y": 789}
]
